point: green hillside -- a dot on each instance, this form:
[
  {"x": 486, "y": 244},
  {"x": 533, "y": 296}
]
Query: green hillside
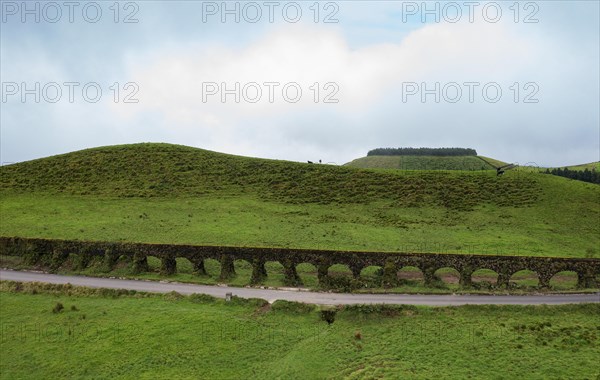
[
  {"x": 589, "y": 166},
  {"x": 176, "y": 194},
  {"x": 422, "y": 163}
]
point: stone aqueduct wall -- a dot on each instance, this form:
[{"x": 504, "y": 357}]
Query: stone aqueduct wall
[{"x": 56, "y": 252}]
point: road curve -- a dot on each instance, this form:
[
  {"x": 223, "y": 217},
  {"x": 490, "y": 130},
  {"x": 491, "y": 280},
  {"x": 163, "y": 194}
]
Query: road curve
[{"x": 272, "y": 295}]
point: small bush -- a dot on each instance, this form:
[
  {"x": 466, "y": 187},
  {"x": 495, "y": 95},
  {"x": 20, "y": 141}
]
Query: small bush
[
  {"x": 74, "y": 308},
  {"x": 173, "y": 296},
  {"x": 202, "y": 298},
  {"x": 357, "y": 335},
  {"x": 381, "y": 309},
  {"x": 328, "y": 315},
  {"x": 292, "y": 307},
  {"x": 58, "y": 308}
]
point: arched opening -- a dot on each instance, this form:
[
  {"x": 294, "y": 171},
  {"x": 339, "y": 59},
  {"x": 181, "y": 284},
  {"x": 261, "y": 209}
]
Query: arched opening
[
  {"x": 308, "y": 274},
  {"x": 243, "y": 272},
  {"x": 213, "y": 268},
  {"x": 450, "y": 277},
  {"x": 564, "y": 280},
  {"x": 184, "y": 266},
  {"x": 411, "y": 276},
  {"x": 339, "y": 270},
  {"x": 83, "y": 262},
  {"x": 524, "y": 279},
  {"x": 484, "y": 279},
  {"x": 338, "y": 277},
  {"x": 275, "y": 274},
  {"x": 153, "y": 264},
  {"x": 372, "y": 276},
  {"x": 121, "y": 264}
]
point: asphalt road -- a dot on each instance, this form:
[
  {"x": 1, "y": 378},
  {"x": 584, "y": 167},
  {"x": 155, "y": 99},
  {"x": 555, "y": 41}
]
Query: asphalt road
[{"x": 272, "y": 295}]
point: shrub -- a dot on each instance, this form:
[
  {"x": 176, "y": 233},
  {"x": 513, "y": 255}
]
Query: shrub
[
  {"x": 293, "y": 307},
  {"x": 173, "y": 296},
  {"x": 381, "y": 309},
  {"x": 202, "y": 298},
  {"x": 328, "y": 315},
  {"x": 58, "y": 308}
]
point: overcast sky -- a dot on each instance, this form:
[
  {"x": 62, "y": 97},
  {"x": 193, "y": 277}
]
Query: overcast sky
[{"x": 328, "y": 81}]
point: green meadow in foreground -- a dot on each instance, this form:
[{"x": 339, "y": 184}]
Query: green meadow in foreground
[
  {"x": 166, "y": 193},
  {"x": 100, "y": 334}
]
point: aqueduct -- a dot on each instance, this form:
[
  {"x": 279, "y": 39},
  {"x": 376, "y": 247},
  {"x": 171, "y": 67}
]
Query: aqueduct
[{"x": 56, "y": 252}]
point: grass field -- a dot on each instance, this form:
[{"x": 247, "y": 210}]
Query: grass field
[
  {"x": 171, "y": 194},
  {"x": 421, "y": 163},
  {"x": 137, "y": 336},
  {"x": 589, "y": 166}
]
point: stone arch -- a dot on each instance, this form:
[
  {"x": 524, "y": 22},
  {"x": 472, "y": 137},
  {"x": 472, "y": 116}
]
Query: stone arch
[
  {"x": 198, "y": 264},
  {"x": 371, "y": 271},
  {"x": 339, "y": 270},
  {"x": 168, "y": 265},
  {"x": 448, "y": 275},
  {"x": 185, "y": 265},
  {"x": 410, "y": 274},
  {"x": 86, "y": 257},
  {"x": 153, "y": 262},
  {"x": 212, "y": 267},
  {"x": 111, "y": 259},
  {"x": 524, "y": 277},
  {"x": 259, "y": 271},
  {"x": 227, "y": 267},
  {"x": 565, "y": 279},
  {"x": 274, "y": 270},
  {"x": 485, "y": 275},
  {"x": 290, "y": 273},
  {"x": 243, "y": 270},
  {"x": 139, "y": 263},
  {"x": 587, "y": 277},
  {"x": 308, "y": 274},
  {"x": 323, "y": 269},
  {"x": 61, "y": 255},
  {"x": 371, "y": 276}
]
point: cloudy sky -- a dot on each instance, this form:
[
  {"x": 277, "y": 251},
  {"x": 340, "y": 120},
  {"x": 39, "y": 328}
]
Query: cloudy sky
[{"x": 303, "y": 80}]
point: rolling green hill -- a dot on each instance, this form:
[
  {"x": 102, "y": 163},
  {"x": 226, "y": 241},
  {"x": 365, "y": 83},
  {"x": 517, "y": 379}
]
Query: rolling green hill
[
  {"x": 589, "y": 166},
  {"x": 176, "y": 194},
  {"x": 423, "y": 163}
]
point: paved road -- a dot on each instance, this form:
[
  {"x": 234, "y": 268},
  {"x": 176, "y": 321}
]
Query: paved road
[{"x": 272, "y": 295}]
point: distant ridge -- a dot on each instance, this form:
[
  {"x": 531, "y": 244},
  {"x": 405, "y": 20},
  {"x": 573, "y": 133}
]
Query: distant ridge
[{"x": 422, "y": 152}]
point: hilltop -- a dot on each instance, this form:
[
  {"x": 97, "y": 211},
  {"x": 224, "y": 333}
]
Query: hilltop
[
  {"x": 468, "y": 163},
  {"x": 177, "y": 194},
  {"x": 164, "y": 170}
]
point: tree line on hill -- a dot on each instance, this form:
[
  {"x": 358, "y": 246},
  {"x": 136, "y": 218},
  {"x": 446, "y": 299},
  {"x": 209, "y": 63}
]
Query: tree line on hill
[
  {"x": 422, "y": 152},
  {"x": 587, "y": 175}
]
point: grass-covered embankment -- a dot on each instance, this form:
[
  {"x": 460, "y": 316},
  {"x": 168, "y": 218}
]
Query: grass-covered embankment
[
  {"x": 102, "y": 334},
  {"x": 164, "y": 193}
]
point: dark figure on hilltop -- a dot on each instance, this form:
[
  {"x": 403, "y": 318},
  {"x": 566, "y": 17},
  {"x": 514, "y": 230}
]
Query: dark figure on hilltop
[
  {"x": 500, "y": 170},
  {"x": 310, "y": 162}
]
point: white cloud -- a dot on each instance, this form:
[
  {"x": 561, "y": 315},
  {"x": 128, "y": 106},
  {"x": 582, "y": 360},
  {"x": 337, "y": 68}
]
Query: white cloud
[
  {"x": 367, "y": 77},
  {"x": 368, "y": 58}
]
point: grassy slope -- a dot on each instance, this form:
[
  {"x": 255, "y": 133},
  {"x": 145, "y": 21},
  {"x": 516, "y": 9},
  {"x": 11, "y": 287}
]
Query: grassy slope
[
  {"x": 589, "y": 166},
  {"x": 421, "y": 163},
  {"x": 165, "y": 337},
  {"x": 174, "y": 194}
]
